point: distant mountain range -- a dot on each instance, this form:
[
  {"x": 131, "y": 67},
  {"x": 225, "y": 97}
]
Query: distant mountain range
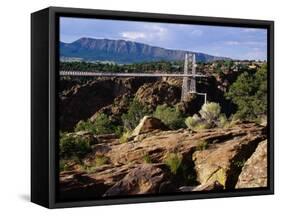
[{"x": 121, "y": 51}]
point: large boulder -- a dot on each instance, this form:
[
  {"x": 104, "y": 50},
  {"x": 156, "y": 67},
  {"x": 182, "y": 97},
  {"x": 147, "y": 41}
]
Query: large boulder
[
  {"x": 148, "y": 124},
  {"x": 254, "y": 172},
  {"x": 144, "y": 179}
]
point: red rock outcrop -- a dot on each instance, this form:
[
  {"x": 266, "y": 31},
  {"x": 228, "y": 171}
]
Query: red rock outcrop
[{"x": 139, "y": 167}]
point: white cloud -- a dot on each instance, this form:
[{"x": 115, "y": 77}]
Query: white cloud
[
  {"x": 157, "y": 28},
  {"x": 149, "y": 33},
  {"x": 133, "y": 35},
  {"x": 197, "y": 32}
]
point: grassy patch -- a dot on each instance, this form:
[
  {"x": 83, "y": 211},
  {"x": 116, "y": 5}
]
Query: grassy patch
[
  {"x": 125, "y": 137},
  {"x": 147, "y": 158},
  {"x": 173, "y": 161},
  {"x": 101, "y": 160},
  {"x": 239, "y": 163},
  {"x": 202, "y": 145}
]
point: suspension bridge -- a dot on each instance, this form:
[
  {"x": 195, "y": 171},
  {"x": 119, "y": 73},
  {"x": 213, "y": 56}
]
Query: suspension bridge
[{"x": 189, "y": 76}]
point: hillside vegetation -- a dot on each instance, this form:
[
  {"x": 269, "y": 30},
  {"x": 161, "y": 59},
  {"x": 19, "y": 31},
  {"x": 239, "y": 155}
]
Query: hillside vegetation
[{"x": 134, "y": 135}]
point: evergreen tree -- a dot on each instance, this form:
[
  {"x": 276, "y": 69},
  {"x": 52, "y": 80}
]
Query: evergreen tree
[{"x": 249, "y": 93}]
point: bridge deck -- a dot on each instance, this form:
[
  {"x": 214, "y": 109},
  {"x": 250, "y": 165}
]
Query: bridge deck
[{"x": 95, "y": 74}]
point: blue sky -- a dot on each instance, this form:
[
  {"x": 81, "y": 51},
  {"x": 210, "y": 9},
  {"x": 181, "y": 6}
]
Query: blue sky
[{"x": 233, "y": 42}]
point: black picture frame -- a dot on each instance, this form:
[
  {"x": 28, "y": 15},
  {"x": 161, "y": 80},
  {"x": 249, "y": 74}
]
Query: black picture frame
[{"x": 44, "y": 82}]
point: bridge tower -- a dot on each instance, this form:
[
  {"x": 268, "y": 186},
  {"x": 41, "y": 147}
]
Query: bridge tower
[{"x": 189, "y": 83}]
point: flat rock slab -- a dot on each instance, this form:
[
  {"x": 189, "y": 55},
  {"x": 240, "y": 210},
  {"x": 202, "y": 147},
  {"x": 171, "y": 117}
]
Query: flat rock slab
[{"x": 155, "y": 145}]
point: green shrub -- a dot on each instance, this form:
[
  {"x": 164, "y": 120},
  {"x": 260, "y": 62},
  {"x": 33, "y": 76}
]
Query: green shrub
[
  {"x": 192, "y": 121},
  {"x": 73, "y": 146},
  {"x": 118, "y": 130},
  {"x": 239, "y": 163},
  {"x": 135, "y": 113},
  {"x": 147, "y": 158},
  {"x": 210, "y": 112},
  {"x": 173, "y": 161},
  {"x": 210, "y": 117},
  {"x": 101, "y": 125},
  {"x": 170, "y": 116},
  {"x": 225, "y": 122},
  {"x": 202, "y": 126},
  {"x": 64, "y": 166},
  {"x": 84, "y": 126},
  {"x": 196, "y": 123},
  {"x": 125, "y": 137},
  {"x": 222, "y": 121},
  {"x": 100, "y": 160},
  {"x": 202, "y": 145}
]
